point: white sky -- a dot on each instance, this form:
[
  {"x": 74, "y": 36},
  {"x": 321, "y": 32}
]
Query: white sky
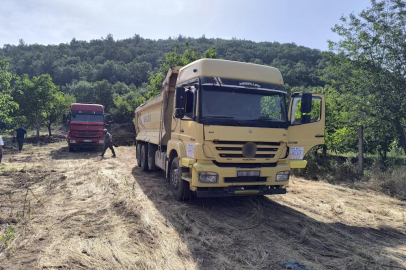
[{"x": 304, "y": 22}]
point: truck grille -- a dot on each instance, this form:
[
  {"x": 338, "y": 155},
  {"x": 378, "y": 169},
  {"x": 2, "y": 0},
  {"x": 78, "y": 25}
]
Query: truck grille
[
  {"x": 257, "y": 143},
  {"x": 232, "y": 151},
  {"x": 241, "y": 156},
  {"x": 87, "y": 133}
]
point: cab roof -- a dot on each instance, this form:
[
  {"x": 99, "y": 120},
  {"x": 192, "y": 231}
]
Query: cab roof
[
  {"x": 230, "y": 70},
  {"x": 86, "y": 107}
]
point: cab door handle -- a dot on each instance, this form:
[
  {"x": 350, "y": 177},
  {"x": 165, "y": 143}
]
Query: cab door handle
[
  {"x": 319, "y": 136},
  {"x": 184, "y": 131}
]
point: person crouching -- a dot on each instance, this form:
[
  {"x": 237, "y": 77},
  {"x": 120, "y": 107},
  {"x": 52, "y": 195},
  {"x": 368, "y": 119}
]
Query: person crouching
[{"x": 108, "y": 143}]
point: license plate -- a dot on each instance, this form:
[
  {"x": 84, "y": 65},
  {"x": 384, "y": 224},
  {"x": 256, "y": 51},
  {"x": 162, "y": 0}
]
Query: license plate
[
  {"x": 87, "y": 140},
  {"x": 248, "y": 173}
]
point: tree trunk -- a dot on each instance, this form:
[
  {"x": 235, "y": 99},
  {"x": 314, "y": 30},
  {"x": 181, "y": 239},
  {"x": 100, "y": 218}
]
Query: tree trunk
[
  {"x": 401, "y": 134},
  {"x": 49, "y": 130},
  {"x": 38, "y": 126}
]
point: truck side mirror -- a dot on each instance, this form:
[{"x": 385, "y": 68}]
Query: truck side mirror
[
  {"x": 180, "y": 102},
  {"x": 306, "y": 106},
  {"x": 305, "y": 119},
  {"x": 180, "y": 98},
  {"x": 179, "y": 113}
]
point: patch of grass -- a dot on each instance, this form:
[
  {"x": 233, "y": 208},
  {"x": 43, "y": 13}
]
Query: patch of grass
[
  {"x": 391, "y": 181},
  {"x": 13, "y": 169},
  {"x": 7, "y": 238}
]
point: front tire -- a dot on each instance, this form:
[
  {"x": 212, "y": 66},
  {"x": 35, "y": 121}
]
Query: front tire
[
  {"x": 144, "y": 157},
  {"x": 180, "y": 188},
  {"x": 71, "y": 148}
]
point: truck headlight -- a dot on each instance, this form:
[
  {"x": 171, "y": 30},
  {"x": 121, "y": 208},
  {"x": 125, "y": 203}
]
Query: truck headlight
[
  {"x": 101, "y": 141},
  {"x": 282, "y": 176},
  {"x": 72, "y": 141},
  {"x": 208, "y": 177}
]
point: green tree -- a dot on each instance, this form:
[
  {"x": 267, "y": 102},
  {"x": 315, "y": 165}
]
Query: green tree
[
  {"x": 7, "y": 105},
  {"x": 59, "y": 105},
  {"x": 125, "y": 105},
  {"x": 99, "y": 92},
  {"x": 369, "y": 71},
  {"x": 173, "y": 59},
  {"x": 36, "y": 97}
]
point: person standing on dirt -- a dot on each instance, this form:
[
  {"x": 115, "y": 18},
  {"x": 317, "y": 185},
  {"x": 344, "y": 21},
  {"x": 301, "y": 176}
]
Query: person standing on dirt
[
  {"x": 21, "y": 135},
  {"x": 1, "y": 148},
  {"x": 108, "y": 143}
]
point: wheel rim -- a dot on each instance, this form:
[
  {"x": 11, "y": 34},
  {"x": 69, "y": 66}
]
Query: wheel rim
[{"x": 175, "y": 178}]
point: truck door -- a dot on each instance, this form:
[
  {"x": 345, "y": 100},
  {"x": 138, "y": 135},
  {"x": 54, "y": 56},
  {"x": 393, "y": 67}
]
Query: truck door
[
  {"x": 187, "y": 123},
  {"x": 307, "y": 114}
]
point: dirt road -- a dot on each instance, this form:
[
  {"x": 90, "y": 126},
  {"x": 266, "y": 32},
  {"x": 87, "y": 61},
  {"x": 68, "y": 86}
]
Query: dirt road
[{"x": 75, "y": 211}]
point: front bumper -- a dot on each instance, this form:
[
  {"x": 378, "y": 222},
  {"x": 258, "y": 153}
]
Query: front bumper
[
  {"x": 85, "y": 142},
  {"x": 229, "y": 184},
  {"x": 238, "y": 191}
]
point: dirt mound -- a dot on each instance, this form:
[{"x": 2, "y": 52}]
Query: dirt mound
[{"x": 123, "y": 134}]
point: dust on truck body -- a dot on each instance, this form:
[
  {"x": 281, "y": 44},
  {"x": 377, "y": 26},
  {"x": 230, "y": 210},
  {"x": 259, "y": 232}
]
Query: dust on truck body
[
  {"x": 223, "y": 128},
  {"x": 86, "y": 124}
]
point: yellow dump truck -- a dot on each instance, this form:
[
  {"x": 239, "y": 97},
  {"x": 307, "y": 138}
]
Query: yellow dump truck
[{"x": 223, "y": 128}]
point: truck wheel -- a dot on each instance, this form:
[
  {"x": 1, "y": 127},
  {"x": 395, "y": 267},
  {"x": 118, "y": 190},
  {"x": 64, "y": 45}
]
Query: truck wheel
[
  {"x": 138, "y": 154},
  {"x": 71, "y": 148},
  {"x": 151, "y": 163},
  {"x": 144, "y": 157},
  {"x": 179, "y": 187}
]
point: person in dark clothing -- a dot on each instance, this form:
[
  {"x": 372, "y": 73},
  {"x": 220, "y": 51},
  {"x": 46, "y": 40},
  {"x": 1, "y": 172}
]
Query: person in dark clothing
[
  {"x": 108, "y": 143},
  {"x": 21, "y": 135}
]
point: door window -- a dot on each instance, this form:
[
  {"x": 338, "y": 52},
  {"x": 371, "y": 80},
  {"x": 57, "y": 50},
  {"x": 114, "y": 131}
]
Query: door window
[
  {"x": 190, "y": 102},
  {"x": 298, "y": 118}
]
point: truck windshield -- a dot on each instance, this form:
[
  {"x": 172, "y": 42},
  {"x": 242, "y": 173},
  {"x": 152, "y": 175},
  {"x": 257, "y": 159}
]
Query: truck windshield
[
  {"x": 93, "y": 118},
  {"x": 244, "y": 107}
]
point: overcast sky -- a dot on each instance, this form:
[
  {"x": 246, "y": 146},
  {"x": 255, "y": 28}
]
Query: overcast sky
[{"x": 304, "y": 22}]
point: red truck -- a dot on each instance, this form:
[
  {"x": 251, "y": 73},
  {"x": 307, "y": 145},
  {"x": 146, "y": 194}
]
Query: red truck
[{"x": 86, "y": 124}]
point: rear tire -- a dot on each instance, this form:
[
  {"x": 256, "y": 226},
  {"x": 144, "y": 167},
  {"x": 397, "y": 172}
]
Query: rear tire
[
  {"x": 180, "y": 188},
  {"x": 151, "y": 159},
  {"x": 144, "y": 157},
  {"x": 138, "y": 154}
]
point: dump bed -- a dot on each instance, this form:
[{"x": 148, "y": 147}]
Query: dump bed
[{"x": 157, "y": 113}]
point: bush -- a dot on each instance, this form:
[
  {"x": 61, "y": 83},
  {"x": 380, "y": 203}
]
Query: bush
[
  {"x": 391, "y": 182},
  {"x": 389, "y": 178},
  {"x": 333, "y": 169}
]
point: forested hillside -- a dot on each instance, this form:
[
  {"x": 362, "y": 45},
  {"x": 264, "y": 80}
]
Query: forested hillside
[{"x": 131, "y": 61}]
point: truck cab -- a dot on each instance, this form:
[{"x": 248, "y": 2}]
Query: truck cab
[
  {"x": 224, "y": 128},
  {"x": 86, "y": 124}
]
